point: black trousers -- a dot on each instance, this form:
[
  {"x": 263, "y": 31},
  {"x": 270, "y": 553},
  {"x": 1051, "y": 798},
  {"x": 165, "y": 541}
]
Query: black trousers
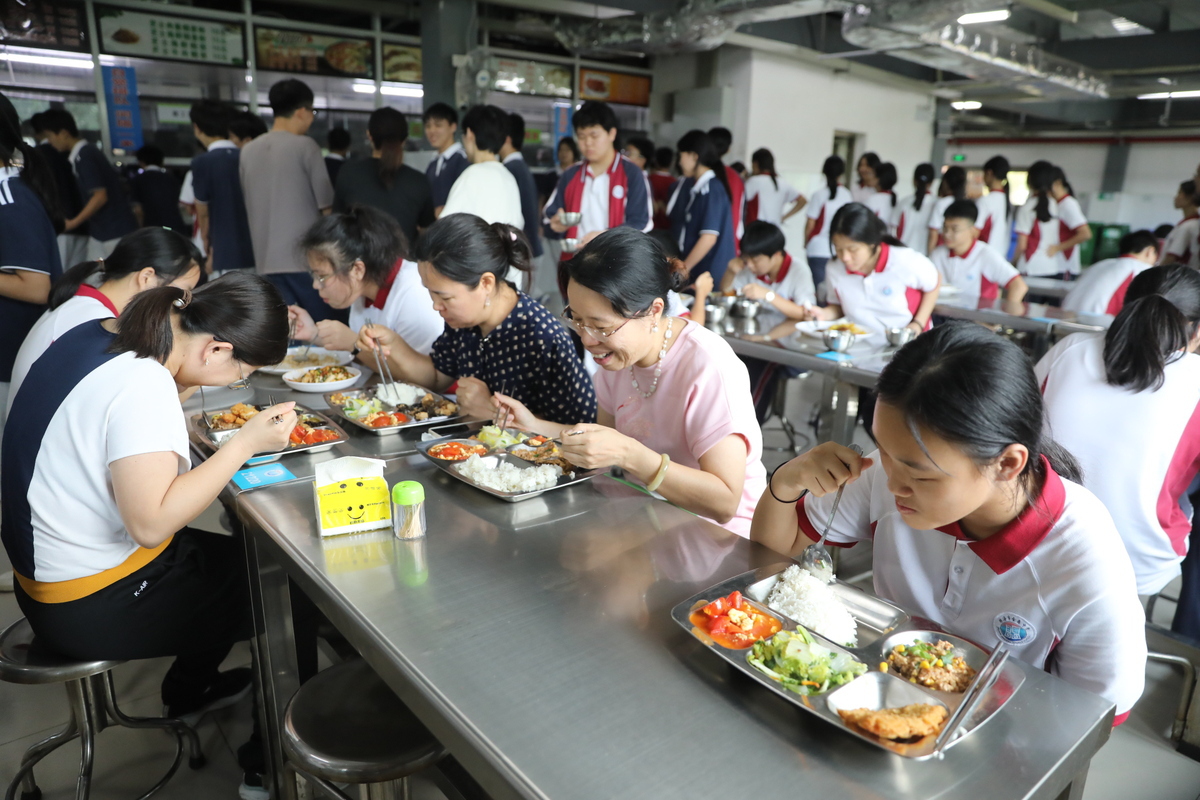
[{"x": 192, "y": 602}]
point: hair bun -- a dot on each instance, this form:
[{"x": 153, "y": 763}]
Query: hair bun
[{"x": 677, "y": 274}]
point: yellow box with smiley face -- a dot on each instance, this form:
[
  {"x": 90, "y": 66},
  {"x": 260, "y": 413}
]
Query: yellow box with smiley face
[{"x": 351, "y": 495}]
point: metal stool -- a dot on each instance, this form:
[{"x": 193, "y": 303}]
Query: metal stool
[
  {"x": 779, "y": 409},
  {"x": 346, "y": 726},
  {"x": 93, "y": 701}
]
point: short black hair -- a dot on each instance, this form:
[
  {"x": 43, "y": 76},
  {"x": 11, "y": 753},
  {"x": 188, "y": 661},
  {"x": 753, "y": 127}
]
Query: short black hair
[
  {"x": 1137, "y": 241},
  {"x": 246, "y": 125},
  {"x": 289, "y": 95},
  {"x": 338, "y": 139},
  {"x": 1189, "y": 189},
  {"x": 56, "y": 120},
  {"x": 149, "y": 154},
  {"x": 592, "y": 113},
  {"x": 516, "y": 130},
  {"x": 212, "y": 117},
  {"x": 963, "y": 209},
  {"x": 35, "y": 122},
  {"x": 664, "y": 158},
  {"x": 722, "y": 138},
  {"x": 442, "y": 111},
  {"x": 570, "y": 144},
  {"x": 762, "y": 238},
  {"x": 490, "y": 126},
  {"x": 644, "y": 146}
]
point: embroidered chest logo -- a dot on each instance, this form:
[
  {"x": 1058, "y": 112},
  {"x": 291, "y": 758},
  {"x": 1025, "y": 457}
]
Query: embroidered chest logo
[
  {"x": 1014, "y": 629},
  {"x": 618, "y": 192},
  {"x": 887, "y": 290}
]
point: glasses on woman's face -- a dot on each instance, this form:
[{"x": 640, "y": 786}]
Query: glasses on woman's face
[
  {"x": 242, "y": 382},
  {"x": 596, "y": 333}
]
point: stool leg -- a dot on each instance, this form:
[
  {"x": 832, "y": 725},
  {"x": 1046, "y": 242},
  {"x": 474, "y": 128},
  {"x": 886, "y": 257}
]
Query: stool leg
[
  {"x": 180, "y": 729},
  {"x": 38, "y": 751},
  {"x": 87, "y": 737}
]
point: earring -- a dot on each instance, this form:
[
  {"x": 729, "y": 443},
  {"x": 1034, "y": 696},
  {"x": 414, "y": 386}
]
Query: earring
[
  {"x": 487, "y": 302},
  {"x": 206, "y": 362}
]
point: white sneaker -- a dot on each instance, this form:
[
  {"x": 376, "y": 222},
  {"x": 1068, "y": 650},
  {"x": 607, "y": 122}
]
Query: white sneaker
[{"x": 6, "y": 581}]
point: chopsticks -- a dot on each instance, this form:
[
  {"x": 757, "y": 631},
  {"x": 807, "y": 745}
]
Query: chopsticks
[
  {"x": 501, "y": 411},
  {"x": 983, "y": 681},
  {"x": 385, "y": 369}
]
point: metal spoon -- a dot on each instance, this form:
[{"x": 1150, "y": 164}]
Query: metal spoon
[{"x": 816, "y": 558}]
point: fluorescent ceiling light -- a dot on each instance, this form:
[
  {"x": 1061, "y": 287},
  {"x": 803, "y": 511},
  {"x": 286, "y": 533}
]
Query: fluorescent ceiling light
[
  {"x": 392, "y": 90},
  {"x": 48, "y": 61},
  {"x": 966, "y": 105},
  {"x": 974, "y": 18},
  {"x": 1169, "y": 95},
  {"x": 1123, "y": 25}
]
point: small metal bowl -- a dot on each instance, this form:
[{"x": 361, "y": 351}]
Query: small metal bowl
[
  {"x": 745, "y": 308},
  {"x": 713, "y": 315},
  {"x": 725, "y": 301},
  {"x": 839, "y": 341},
  {"x": 572, "y": 218},
  {"x": 570, "y": 245},
  {"x": 898, "y": 337}
]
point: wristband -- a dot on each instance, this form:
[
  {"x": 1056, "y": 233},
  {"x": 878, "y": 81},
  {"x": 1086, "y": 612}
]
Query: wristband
[
  {"x": 354, "y": 353},
  {"x": 771, "y": 489},
  {"x": 657, "y": 480}
]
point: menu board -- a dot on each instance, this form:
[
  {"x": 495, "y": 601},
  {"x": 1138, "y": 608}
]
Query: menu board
[
  {"x": 401, "y": 63},
  {"x": 614, "y": 87},
  {"x": 532, "y": 77},
  {"x": 313, "y": 53},
  {"x": 57, "y": 24},
  {"x": 135, "y": 33}
]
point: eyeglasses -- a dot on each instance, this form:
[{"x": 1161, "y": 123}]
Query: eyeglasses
[
  {"x": 319, "y": 280},
  {"x": 242, "y": 382},
  {"x": 596, "y": 333}
]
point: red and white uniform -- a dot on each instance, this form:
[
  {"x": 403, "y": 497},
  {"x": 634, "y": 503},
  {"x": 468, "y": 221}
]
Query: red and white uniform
[
  {"x": 737, "y": 203},
  {"x": 793, "y": 282},
  {"x": 937, "y": 217},
  {"x": 1070, "y": 219},
  {"x": 980, "y": 272},
  {"x": 1053, "y": 584},
  {"x": 1138, "y": 451},
  {"x": 1183, "y": 242},
  {"x": 766, "y": 198},
  {"x": 995, "y": 228},
  {"x": 1102, "y": 287},
  {"x": 888, "y": 296},
  {"x": 821, "y": 208},
  {"x": 861, "y": 194},
  {"x": 911, "y": 224},
  {"x": 881, "y": 204},
  {"x": 1034, "y": 260}
]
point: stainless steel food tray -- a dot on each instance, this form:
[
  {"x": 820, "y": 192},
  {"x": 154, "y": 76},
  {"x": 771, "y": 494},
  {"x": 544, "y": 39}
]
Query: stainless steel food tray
[
  {"x": 213, "y": 439},
  {"x": 502, "y": 455},
  {"x": 881, "y": 626},
  {"x": 393, "y": 429}
]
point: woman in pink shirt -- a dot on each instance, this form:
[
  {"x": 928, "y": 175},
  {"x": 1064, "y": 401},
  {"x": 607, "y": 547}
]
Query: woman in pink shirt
[{"x": 676, "y": 412}]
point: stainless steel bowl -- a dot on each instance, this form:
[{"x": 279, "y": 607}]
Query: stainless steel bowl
[
  {"x": 898, "y": 337},
  {"x": 570, "y": 245},
  {"x": 572, "y": 218},
  {"x": 713, "y": 315},
  {"x": 839, "y": 341},
  {"x": 725, "y": 301},
  {"x": 745, "y": 308}
]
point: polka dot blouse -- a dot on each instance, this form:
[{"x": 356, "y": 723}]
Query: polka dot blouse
[{"x": 529, "y": 356}]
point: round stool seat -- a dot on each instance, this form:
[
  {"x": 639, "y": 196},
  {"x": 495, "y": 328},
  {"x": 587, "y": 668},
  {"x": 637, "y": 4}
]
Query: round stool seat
[
  {"x": 22, "y": 660},
  {"x": 347, "y": 726}
]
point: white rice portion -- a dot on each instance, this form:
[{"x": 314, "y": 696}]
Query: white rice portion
[
  {"x": 509, "y": 478},
  {"x": 399, "y": 394},
  {"x": 814, "y": 605}
]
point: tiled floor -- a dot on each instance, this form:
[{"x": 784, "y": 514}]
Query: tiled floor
[{"x": 1137, "y": 762}]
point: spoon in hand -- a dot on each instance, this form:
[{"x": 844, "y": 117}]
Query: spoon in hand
[{"x": 816, "y": 558}]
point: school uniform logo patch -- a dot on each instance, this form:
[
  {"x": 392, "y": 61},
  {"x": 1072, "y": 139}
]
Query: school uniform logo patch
[
  {"x": 1013, "y": 629},
  {"x": 618, "y": 192},
  {"x": 887, "y": 290}
]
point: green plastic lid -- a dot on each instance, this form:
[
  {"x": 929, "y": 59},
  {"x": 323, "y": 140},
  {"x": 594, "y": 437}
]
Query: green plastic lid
[{"x": 407, "y": 493}]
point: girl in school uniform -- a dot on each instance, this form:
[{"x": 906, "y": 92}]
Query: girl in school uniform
[
  {"x": 867, "y": 183},
  {"x": 1037, "y": 225},
  {"x": 1182, "y": 245},
  {"x": 883, "y": 202},
  {"x": 876, "y": 281},
  {"x": 1139, "y": 383},
  {"x": 1102, "y": 288},
  {"x": 974, "y": 515},
  {"x": 952, "y": 189},
  {"x": 767, "y": 195},
  {"x": 910, "y": 220},
  {"x": 822, "y": 207},
  {"x": 995, "y": 210},
  {"x": 699, "y": 208},
  {"x": 1073, "y": 228}
]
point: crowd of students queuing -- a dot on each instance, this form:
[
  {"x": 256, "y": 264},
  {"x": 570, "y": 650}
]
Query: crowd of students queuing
[{"x": 981, "y": 456}]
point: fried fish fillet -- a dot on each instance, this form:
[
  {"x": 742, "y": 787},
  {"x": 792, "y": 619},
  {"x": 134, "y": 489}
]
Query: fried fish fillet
[{"x": 914, "y": 721}]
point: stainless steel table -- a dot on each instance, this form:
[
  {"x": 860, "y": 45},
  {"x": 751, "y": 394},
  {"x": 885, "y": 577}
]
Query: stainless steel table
[
  {"x": 1048, "y": 287},
  {"x": 1036, "y": 318},
  {"x": 538, "y": 646}
]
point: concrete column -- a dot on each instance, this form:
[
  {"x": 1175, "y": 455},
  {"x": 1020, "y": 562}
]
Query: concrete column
[
  {"x": 448, "y": 28},
  {"x": 1116, "y": 160},
  {"x": 941, "y": 133}
]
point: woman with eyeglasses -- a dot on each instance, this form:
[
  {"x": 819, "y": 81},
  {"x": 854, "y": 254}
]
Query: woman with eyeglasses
[
  {"x": 96, "y": 484},
  {"x": 497, "y": 338},
  {"x": 675, "y": 405}
]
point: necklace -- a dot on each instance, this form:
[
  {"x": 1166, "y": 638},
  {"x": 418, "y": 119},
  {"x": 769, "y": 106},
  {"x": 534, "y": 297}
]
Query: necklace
[{"x": 658, "y": 366}]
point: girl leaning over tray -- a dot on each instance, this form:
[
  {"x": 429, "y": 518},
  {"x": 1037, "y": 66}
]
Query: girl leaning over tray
[
  {"x": 675, "y": 405},
  {"x": 976, "y": 520}
]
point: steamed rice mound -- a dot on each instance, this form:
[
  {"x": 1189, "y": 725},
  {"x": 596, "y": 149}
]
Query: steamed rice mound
[
  {"x": 813, "y": 604},
  {"x": 509, "y": 478}
]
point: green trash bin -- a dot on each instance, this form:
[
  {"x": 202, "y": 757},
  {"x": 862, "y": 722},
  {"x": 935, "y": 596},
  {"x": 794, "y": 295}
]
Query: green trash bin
[
  {"x": 1108, "y": 243},
  {"x": 1087, "y": 250}
]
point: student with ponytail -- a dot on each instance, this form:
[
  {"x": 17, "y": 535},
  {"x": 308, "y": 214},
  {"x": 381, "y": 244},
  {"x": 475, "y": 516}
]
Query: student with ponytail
[
  {"x": 699, "y": 209},
  {"x": 767, "y": 194},
  {"x": 1073, "y": 228},
  {"x": 96, "y": 485},
  {"x": 1037, "y": 225},
  {"x": 496, "y": 338},
  {"x": 822, "y": 207},
  {"x": 995, "y": 208},
  {"x": 910, "y": 220},
  {"x": 952, "y": 189},
  {"x": 975, "y": 517},
  {"x": 145, "y": 259},
  {"x": 883, "y": 202}
]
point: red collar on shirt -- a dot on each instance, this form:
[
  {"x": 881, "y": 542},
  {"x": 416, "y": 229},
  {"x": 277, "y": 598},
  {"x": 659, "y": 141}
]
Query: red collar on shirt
[
  {"x": 783, "y": 270},
  {"x": 884, "y": 250},
  {"x": 87, "y": 291},
  {"x": 1010, "y": 546},
  {"x": 967, "y": 254},
  {"x": 386, "y": 287},
  {"x": 1193, "y": 216}
]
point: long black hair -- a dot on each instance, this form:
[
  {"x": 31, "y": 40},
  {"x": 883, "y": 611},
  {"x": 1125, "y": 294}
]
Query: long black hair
[
  {"x": 1061, "y": 177},
  {"x": 1162, "y": 307},
  {"x": 873, "y": 161},
  {"x": 629, "y": 268},
  {"x": 363, "y": 233},
  {"x": 954, "y": 181},
  {"x": 886, "y": 175},
  {"x": 700, "y": 143},
  {"x": 922, "y": 180},
  {"x": 1041, "y": 182},
  {"x": 464, "y": 248},
  {"x": 832, "y": 169},
  {"x": 764, "y": 159},
  {"x": 388, "y": 129},
  {"x": 36, "y": 173},
  {"x": 977, "y": 391},
  {"x": 860, "y": 224},
  {"x": 998, "y": 166},
  {"x": 162, "y": 249},
  {"x": 240, "y": 308}
]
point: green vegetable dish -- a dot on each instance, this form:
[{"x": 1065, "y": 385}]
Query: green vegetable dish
[{"x": 802, "y": 665}]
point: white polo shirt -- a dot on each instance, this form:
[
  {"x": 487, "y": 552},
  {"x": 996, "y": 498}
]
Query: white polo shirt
[
  {"x": 403, "y": 305},
  {"x": 794, "y": 282},
  {"x": 1145, "y": 457},
  {"x": 994, "y": 226},
  {"x": 765, "y": 198},
  {"x": 882, "y": 203},
  {"x": 1034, "y": 260},
  {"x": 887, "y": 297},
  {"x": 821, "y": 208},
  {"x": 911, "y": 224},
  {"x": 937, "y": 217},
  {"x": 1183, "y": 242},
  {"x": 1070, "y": 219},
  {"x": 981, "y": 272},
  {"x": 1101, "y": 289},
  {"x": 1054, "y": 584}
]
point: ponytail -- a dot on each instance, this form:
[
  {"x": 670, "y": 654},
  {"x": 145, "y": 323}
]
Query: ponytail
[
  {"x": 954, "y": 181},
  {"x": 464, "y": 248},
  {"x": 1041, "y": 181},
  {"x": 1153, "y": 329},
  {"x": 388, "y": 129},
  {"x": 886, "y": 176},
  {"x": 67, "y": 286},
  {"x": 518, "y": 253},
  {"x": 922, "y": 179},
  {"x": 998, "y": 166},
  {"x": 832, "y": 169},
  {"x": 765, "y": 160},
  {"x": 161, "y": 249}
]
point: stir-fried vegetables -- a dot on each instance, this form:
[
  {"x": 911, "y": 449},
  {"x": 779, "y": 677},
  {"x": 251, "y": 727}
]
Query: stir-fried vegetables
[{"x": 802, "y": 665}]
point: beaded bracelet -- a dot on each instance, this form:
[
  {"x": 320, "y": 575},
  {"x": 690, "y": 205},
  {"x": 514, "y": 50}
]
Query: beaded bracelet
[{"x": 771, "y": 489}]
